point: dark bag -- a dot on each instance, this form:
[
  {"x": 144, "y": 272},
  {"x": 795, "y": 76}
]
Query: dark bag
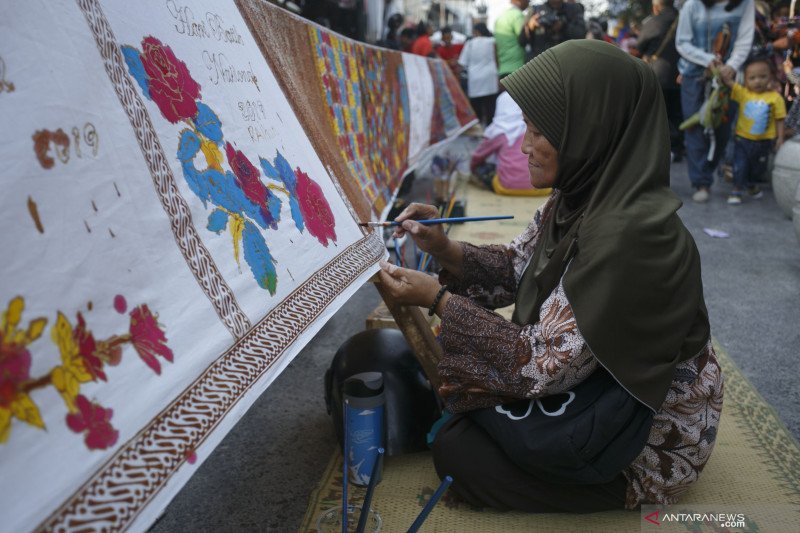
[
  {"x": 651, "y": 58},
  {"x": 585, "y": 436},
  {"x": 411, "y": 406}
]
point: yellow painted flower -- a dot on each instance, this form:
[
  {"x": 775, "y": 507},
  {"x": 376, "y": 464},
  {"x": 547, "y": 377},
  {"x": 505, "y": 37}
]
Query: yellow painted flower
[
  {"x": 213, "y": 155},
  {"x": 72, "y": 372},
  {"x": 15, "y": 366},
  {"x": 236, "y": 226}
]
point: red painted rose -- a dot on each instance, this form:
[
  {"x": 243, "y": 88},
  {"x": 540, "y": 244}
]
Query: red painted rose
[
  {"x": 249, "y": 179},
  {"x": 171, "y": 86},
  {"x": 95, "y": 421},
  {"x": 148, "y": 339},
  {"x": 315, "y": 209},
  {"x": 247, "y": 175}
]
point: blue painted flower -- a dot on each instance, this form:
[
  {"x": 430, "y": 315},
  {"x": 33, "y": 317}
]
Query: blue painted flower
[
  {"x": 136, "y": 68},
  {"x": 212, "y": 185},
  {"x": 224, "y": 191},
  {"x": 258, "y": 257},
  {"x": 188, "y": 146},
  {"x": 217, "y": 221},
  {"x": 207, "y": 122},
  {"x": 283, "y": 172}
]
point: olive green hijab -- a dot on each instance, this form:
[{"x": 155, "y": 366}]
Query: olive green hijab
[{"x": 632, "y": 268}]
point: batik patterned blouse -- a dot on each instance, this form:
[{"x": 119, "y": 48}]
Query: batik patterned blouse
[{"x": 489, "y": 360}]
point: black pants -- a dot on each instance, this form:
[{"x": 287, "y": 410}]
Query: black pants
[
  {"x": 484, "y": 107},
  {"x": 672, "y": 99},
  {"x": 483, "y": 476}
]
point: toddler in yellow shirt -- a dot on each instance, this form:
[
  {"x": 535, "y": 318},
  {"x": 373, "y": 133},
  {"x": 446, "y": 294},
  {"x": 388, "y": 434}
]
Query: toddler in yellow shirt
[{"x": 759, "y": 126}]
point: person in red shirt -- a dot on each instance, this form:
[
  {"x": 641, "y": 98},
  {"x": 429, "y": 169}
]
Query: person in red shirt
[
  {"x": 449, "y": 51},
  {"x": 422, "y": 45}
]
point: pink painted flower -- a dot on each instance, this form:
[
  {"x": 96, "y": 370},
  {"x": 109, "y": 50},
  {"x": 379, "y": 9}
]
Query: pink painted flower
[
  {"x": 316, "y": 211},
  {"x": 171, "y": 86},
  {"x": 148, "y": 339},
  {"x": 95, "y": 421},
  {"x": 87, "y": 350}
]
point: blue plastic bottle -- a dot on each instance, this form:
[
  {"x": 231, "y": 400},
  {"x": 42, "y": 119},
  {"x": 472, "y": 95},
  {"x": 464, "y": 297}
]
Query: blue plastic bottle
[{"x": 364, "y": 409}]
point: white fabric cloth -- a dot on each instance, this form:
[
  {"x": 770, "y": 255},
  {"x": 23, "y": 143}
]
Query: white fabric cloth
[
  {"x": 174, "y": 234},
  {"x": 507, "y": 120},
  {"x": 478, "y": 58}
]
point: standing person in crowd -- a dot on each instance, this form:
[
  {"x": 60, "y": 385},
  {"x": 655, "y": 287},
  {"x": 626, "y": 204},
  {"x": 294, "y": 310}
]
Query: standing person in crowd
[
  {"x": 792, "y": 120},
  {"x": 700, "y": 22},
  {"x": 552, "y": 23},
  {"x": 392, "y": 38},
  {"x": 507, "y": 30},
  {"x": 785, "y": 39},
  {"x": 629, "y": 42},
  {"x": 606, "y": 37},
  {"x": 478, "y": 58},
  {"x": 657, "y": 46},
  {"x": 509, "y": 173},
  {"x": 422, "y": 44},
  {"x": 594, "y": 31},
  {"x": 407, "y": 38},
  {"x": 449, "y": 51},
  {"x": 759, "y": 126},
  {"x": 608, "y": 297}
]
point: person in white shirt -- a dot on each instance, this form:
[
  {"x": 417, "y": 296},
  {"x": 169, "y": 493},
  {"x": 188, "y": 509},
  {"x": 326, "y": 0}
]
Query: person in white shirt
[{"x": 478, "y": 58}]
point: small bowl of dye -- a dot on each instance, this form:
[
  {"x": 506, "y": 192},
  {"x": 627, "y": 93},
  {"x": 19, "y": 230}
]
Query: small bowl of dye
[{"x": 330, "y": 521}]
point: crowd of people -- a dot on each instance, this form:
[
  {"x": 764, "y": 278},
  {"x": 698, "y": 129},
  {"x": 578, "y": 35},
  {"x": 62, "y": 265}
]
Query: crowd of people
[{"x": 746, "y": 52}]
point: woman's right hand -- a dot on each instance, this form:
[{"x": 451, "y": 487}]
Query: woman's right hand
[{"x": 430, "y": 239}]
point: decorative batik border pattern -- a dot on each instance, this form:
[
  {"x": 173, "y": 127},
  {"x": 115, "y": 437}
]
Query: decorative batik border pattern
[
  {"x": 119, "y": 490},
  {"x": 192, "y": 248}
]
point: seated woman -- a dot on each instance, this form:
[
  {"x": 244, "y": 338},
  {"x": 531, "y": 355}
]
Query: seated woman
[
  {"x": 606, "y": 283},
  {"x": 503, "y": 140}
]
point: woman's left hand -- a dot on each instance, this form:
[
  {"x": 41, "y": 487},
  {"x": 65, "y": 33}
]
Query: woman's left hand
[{"x": 408, "y": 287}]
